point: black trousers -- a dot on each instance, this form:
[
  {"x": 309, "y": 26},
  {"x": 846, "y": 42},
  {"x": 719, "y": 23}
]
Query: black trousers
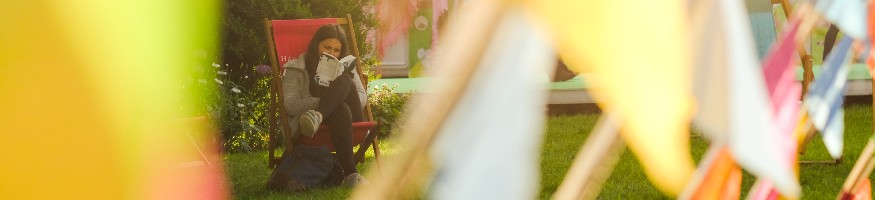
[{"x": 340, "y": 107}]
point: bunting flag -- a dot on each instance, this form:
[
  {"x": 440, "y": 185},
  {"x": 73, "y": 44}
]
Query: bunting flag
[
  {"x": 466, "y": 44},
  {"x": 863, "y": 193},
  {"x": 497, "y": 158},
  {"x": 91, "y": 100},
  {"x": 763, "y": 188},
  {"x": 718, "y": 176},
  {"x": 804, "y": 131},
  {"x": 784, "y": 92},
  {"x": 732, "y": 185},
  {"x": 848, "y": 15},
  {"x": 626, "y": 68},
  {"x": 396, "y": 18},
  {"x": 732, "y": 102},
  {"x": 439, "y": 9},
  {"x": 871, "y": 56},
  {"x": 419, "y": 40},
  {"x": 824, "y": 100}
]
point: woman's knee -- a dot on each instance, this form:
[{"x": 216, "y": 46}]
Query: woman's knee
[
  {"x": 341, "y": 81},
  {"x": 338, "y": 88},
  {"x": 341, "y": 115}
]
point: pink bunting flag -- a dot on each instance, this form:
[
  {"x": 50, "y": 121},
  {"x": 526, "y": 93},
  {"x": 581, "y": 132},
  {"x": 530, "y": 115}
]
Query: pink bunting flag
[
  {"x": 733, "y": 104},
  {"x": 439, "y": 9},
  {"x": 395, "y": 18},
  {"x": 778, "y": 69}
]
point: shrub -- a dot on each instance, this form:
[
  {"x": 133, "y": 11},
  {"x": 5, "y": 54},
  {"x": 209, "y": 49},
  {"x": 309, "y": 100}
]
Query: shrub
[
  {"x": 388, "y": 108},
  {"x": 239, "y": 112}
]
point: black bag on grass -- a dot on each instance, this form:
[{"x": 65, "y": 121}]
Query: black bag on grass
[{"x": 304, "y": 167}]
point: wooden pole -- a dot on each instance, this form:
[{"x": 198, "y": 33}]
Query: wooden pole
[
  {"x": 594, "y": 162},
  {"x": 806, "y": 60},
  {"x": 271, "y": 110},
  {"x": 467, "y": 41},
  {"x": 358, "y": 61},
  {"x": 865, "y": 164},
  {"x": 859, "y": 168},
  {"x": 364, "y": 79},
  {"x": 277, "y": 102}
]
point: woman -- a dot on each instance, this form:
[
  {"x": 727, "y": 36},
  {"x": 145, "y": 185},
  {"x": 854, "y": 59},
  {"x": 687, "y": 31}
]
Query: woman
[{"x": 338, "y": 102}]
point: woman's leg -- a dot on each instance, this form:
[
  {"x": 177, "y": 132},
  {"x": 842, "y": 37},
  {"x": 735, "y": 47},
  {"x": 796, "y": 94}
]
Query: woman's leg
[
  {"x": 332, "y": 96},
  {"x": 340, "y": 106},
  {"x": 340, "y": 122},
  {"x": 341, "y": 90}
]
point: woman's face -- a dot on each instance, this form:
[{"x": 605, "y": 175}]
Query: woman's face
[{"x": 331, "y": 46}]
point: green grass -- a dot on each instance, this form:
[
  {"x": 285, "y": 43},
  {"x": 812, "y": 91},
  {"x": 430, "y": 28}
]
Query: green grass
[
  {"x": 819, "y": 181},
  {"x": 248, "y": 172}
]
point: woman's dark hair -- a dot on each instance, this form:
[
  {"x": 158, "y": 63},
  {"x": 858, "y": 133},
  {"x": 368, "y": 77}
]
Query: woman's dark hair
[{"x": 327, "y": 31}]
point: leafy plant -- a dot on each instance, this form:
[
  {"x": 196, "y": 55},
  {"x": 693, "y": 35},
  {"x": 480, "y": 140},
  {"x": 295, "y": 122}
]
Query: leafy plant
[
  {"x": 240, "y": 112},
  {"x": 387, "y": 107}
]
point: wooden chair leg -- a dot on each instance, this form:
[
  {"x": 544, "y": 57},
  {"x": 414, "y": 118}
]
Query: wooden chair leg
[
  {"x": 359, "y": 156},
  {"x": 377, "y": 151}
]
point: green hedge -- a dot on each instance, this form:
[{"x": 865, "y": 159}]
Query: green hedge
[{"x": 244, "y": 41}]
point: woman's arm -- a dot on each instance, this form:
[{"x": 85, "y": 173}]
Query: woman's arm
[{"x": 296, "y": 90}]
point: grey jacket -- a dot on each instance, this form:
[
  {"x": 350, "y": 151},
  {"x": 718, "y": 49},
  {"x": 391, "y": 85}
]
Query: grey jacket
[{"x": 296, "y": 93}]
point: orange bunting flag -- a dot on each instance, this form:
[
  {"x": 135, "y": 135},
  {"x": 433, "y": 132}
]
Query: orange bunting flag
[
  {"x": 721, "y": 176},
  {"x": 871, "y": 60}
]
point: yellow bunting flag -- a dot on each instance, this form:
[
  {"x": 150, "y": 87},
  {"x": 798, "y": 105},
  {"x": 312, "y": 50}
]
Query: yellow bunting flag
[
  {"x": 637, "y": 53},
  {"x": 90, "y": 100}
]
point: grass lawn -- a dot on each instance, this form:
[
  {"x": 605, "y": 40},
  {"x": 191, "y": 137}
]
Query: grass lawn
[{"x": 248, "y": 172}]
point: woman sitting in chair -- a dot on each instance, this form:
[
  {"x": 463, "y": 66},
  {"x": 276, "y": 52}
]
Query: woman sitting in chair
[{"x": 339, "y": 102}]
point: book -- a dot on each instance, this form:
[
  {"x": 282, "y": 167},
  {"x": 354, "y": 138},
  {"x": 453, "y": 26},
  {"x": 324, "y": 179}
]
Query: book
[{"x": 329, "y": 68}]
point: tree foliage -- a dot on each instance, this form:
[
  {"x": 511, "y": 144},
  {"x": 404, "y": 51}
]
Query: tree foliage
[{"x": 244, "y": 41}]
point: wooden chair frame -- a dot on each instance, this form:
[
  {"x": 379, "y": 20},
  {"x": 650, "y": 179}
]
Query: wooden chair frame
[
  {"x": 278, "y": 124},
  {"x": 807, "y": 78}
]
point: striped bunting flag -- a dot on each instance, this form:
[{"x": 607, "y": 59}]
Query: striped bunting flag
[{"x": 824, "y": 101}]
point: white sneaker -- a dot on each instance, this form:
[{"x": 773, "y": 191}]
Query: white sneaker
[
  {"x": 309, "y": 122},
  {"x": 354, "y": 179}
]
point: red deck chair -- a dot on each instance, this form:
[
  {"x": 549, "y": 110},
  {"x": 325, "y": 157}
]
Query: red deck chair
[{"x": 287, "y": 39}]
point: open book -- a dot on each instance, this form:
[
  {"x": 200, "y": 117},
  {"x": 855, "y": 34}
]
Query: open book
[{"x": 329, "y": 68}]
